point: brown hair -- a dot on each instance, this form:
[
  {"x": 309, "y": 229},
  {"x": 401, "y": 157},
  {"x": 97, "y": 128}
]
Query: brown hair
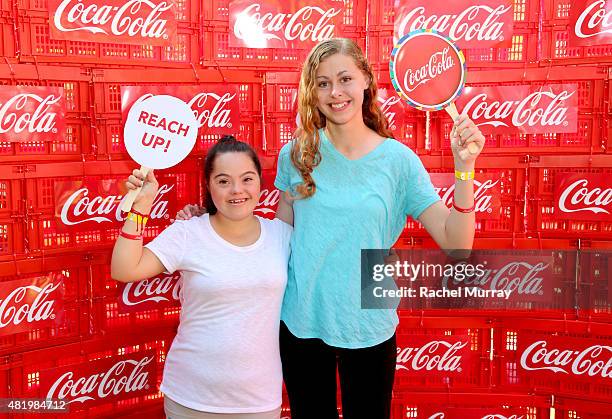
[{"x": 305, "y": 154}]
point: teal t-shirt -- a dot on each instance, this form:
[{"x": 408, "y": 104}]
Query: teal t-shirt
[{"x": 359, "y": 204}]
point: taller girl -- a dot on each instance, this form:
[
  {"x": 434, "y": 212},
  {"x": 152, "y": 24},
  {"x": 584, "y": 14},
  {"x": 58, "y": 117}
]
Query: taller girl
[{"x": 352, "y": 188}]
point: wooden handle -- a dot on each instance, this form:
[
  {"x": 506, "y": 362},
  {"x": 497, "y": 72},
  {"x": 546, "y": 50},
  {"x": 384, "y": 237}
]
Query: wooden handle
[
  {"x": 454, "y": 114},
  {"x": 126, "y": 204}
]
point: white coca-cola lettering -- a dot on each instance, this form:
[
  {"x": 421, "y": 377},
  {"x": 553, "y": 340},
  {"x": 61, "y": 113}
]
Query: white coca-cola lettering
[
  {"x": 438, "y": 64},
  {"x": 437, "y": 415},
  {"x": 291, "y": 26},
  {"x": 595, "y": 360},
  {"x": 153, "y": 289},
  {"x": 519, "y": 277},
  {"x": 386, "y": 108},
  {"x": 582, "y": 199},
  {"x": 217, "y": 116},
  {"x": 594, "y": 16},
  {"x": 100, "y": 210},
  {"x": 268, "y": 199},
  {"x": 13, "y": 118},
  {"x": 482, "y": 198},
  {"x": 437, "y": 355},
  {"x": 500, "y": 416},
  {"x": 109, "y": 383},
  {"x": 524, "y": 112},
  {"x": 14, "y": 312},
  {"x": 467, "y": 25},
  {"x": 119, "y": 20}
]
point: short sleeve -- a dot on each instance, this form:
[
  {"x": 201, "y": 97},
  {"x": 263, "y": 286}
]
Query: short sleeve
[
  {"x": 419, "y": 191},
  {"x": 170, "y": 246},
  {"x": 283, "y": 168}
]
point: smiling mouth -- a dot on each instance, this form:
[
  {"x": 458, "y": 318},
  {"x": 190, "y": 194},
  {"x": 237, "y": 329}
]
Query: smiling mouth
[
  {"x": 238, "y": 201},
  {"x": 339, "y": 106}
]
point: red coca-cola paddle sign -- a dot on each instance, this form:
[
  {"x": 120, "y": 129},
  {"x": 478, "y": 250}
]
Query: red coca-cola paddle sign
[
  {"x": 159, "y": 132},
  {"x": 428, "y": 71}
]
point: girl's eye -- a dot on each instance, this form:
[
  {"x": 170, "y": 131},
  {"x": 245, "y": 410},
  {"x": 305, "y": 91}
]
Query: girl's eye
[
  {"x": 323, "y": 84},
  {"x": 223, "y": 182},
  {"x": 345, "y": 79},
  {"x": 248, "y": 179}
]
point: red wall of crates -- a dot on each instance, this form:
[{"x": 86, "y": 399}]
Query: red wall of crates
[{"x": 92, "y": 75}]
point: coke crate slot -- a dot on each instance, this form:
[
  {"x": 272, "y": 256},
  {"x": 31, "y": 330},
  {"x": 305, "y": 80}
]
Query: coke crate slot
[
  {"x": 381, "y": 12},
  {"x": 545, "y": 222},
  {"x": 12, "y": 239},
  {"x": 10, "y": 197},
  {"x": 69, "y": 325},
  {"x": 279, "y": 132},
  {"x": 523, "y": 49},
  {"x": 513, "y": 377},
  {"x": 282, "y": 97},
  {"x": 556, "y": 45},
  {"x": 7, "y": 37},
  {"x": 557, "y": 12},
  {"x": 72, "y": 146},
  {"x": 36, "y": 41},
  {"x": 380, "y": 45}
]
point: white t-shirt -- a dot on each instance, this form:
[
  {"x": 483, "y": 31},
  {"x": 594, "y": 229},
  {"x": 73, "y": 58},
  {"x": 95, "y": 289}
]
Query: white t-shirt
[{"x": 225, "y": 357}]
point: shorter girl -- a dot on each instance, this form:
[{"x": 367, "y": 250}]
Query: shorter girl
[{"x": 224, "y": 360}]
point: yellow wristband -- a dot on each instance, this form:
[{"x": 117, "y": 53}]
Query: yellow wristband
[
  {"x": 138, "y": 219},
  {"x": 464, "y": 175}
]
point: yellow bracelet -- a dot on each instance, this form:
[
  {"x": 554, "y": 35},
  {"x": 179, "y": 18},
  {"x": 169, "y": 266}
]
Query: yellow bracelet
[
  {"x": 138, "y": 219},
  {"x": 464, "y": 175}
]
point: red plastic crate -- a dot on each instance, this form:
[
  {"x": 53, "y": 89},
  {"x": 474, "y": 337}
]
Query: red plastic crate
[
  {"x": 542, "y": 217},
  {"x": 36, "y": 42},
  {"x": 46, "y": 235},
  {"x": 27, "y": 368},
  {"x": 507, "y": 357},
  {"x": 468, "y": 405},
  {"x": 475, "y": 331},
  {"x": 73, "y": 146},
  {"x": 218, "y": 52},
  {"x": 580, "y": 408},
  {"x": 11, "y": 238},
  {"x": 556, "y": 45},
  {"x": 595, "y": 285},
  {"x": 278, "y": 133},
  {"x": 522, "y": 51}
]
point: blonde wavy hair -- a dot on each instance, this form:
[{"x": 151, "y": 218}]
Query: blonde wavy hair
[{"x": 305, "y": 153}]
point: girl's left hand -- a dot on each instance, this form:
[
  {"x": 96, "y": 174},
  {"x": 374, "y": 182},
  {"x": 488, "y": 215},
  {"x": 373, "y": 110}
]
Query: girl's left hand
[{"x": 465, "y": 132}]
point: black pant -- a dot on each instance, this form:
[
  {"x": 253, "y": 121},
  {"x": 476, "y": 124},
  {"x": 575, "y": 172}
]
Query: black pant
[{"x": 309, "y": 371}]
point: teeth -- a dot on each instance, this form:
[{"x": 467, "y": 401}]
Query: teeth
[
  {"x": 237, "y": 201},
  {"x": 339, "y": 105}
]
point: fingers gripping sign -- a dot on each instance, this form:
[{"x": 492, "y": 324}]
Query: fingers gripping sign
[{"x": 160, "y": 131}]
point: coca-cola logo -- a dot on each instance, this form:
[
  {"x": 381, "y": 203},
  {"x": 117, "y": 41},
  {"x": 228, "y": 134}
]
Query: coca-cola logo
[
  {"x": 595, "y": 19},
  {"x": 518, "y": 278},
  {"x": 268, "y": 201},
  {"x": 15, "y": 308},
  {"x": 437, "y": 64},
  {"x": 142, "y": 19},
  {"x": 80, "y": 208},
  {"x": 592, "y": 361},
  {"x": 524, "y": 112},
  {"x": 165, "y": 287},
  {"x": 125, "y": 376},
  {"x": 578, "y": 196},
  {"x": 388, "y": 108},
  {"x": 256, "y": 28},
  {"x": 437, "y": 355},
  {"x": 31, "y": 113},
  {"x": 483, "y": 195},
  {"x": 476, "y": 23}
]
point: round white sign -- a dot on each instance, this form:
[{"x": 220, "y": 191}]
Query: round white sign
[{"x": 160, "y": 131}]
